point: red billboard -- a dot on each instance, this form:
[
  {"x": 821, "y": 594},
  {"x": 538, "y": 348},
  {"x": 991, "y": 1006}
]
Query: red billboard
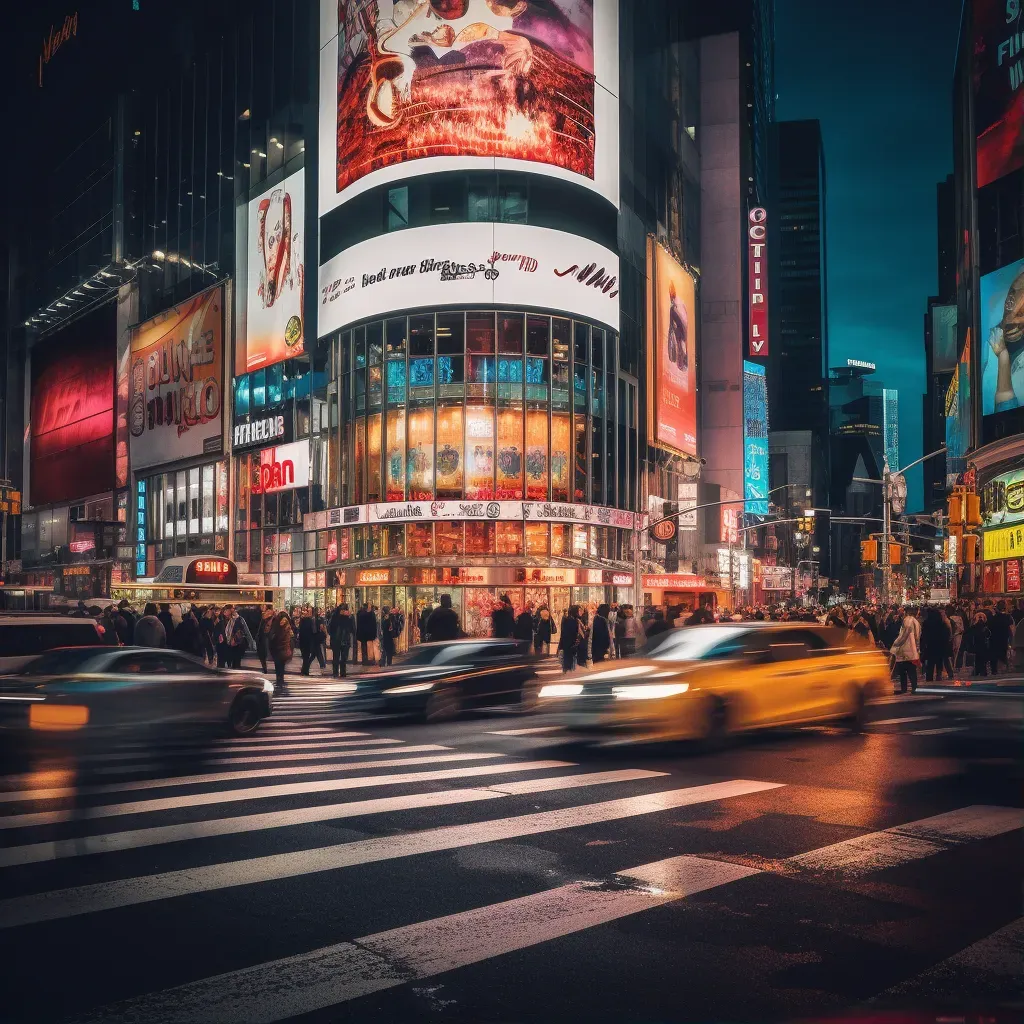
[
  {"x": 997, "y": 77},
  {"x": 72, "y": 411},
  {"x": 757, "y": 280}
]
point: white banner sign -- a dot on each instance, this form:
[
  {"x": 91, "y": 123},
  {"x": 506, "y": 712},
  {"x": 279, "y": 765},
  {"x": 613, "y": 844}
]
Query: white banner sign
[
  {"x": 776, "y": 577},
  {"x": 472, "y": 265}
]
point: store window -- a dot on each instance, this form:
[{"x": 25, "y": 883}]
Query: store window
[
  {"x": 420, "y": 540},
  {"x": 510, "y": 538},
  {"x": 480, "y": 538}
]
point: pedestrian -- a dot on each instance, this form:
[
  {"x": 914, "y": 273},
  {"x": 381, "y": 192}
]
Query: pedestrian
[
  {"x": 167, "y": 620},
  {"x": 366, "y": 631},
  {"x": 569, "y": 638},
  {"x": 583, "y": 644},
  {"x": 130, "y": 619},
  {"x": 263, "y": 636},
  {"x": 236, "y": 637},
  {"x": 956, "y": 624},
  {"x": 423, "y": 620},
  {"x": 306, "y": 640},
  {"x": 862, "y": 627},
  {"x": 388, "y": 636},
  {"x": 979, "y": 641},
  {"x": 149, "y": 630},
  {"x": 906, "y": 651},
  {"x": 443, "y": 623},
  {"x": 601, "y": 640},
  {"x": 632, "y": 633},
  {"x": 936, "y": 643},
  {"x": 619, "y": 630},
  {"x": 341, "y": 628},
  {"x": 1001, "y": 627},
  {"x": 502, "y": 618},
  {"x": 542, "y": 637},
  {"x": 658, "y": 624},
  {"x": 114, "y": 625},
  {"x": 281, "y": 644},
  {"x": 523, "y": 631}
]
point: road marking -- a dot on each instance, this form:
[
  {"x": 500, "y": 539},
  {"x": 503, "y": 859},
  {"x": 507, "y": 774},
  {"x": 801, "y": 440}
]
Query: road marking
[
  {"x": 321, "y": 755},
  {"x": 87, "y": 899},
  {"x": 903, "y": 721},
  {"x": 903, "y": 844},
  {"x": 526, "y": 732},
  {"x": 904, "y": 698},
  {"x": 298, "y": 742},
  {"x": 212, "y": 778},
  {"x": 336, "y": 974},
  {"x": 938, "y": 732},
  {"x": 34, "y": 853}
]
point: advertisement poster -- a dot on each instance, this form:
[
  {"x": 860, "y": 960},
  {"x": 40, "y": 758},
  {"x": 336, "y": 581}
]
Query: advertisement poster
[
  {"x": 176, "y": 381},
  {"x": 416, "y": 87},
  {"x": 420, "y": 457},
  {"x": 755, "y": 439},
  {"x": 1002, "y": 499},
  {"x": 561, "y": 441},
  {"x": 395, "y": 466},
  {"x": 274, "y": 329},
  {"x": 449, "y": 451},
  {"x": 998, "y": 95},
  {"x": 1002, "y": 339},
  {"x": 510, "y": 454},
  {"x": 479, "y": 452},
  {"x": 536, "y": 454},
  {"x": 674, "y": 348}
]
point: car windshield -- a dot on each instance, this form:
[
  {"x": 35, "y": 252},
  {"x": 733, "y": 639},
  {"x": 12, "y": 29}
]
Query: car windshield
[
  {"x": 62, "y": 660},
  {"x": 690, "y": 643}
]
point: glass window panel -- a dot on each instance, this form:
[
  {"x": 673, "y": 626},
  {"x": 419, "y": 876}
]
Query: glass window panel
[
  {"x": 181, "y": 498},
  {"x": 560, "y": 540},
  {"x": 560, "y": 332},
  {"x": 398, "y": 208},
  {"x": 421, "y": 335},
  {"x": 479, "y": 452},
  {"x": 510, "y": 370},
  {"x": 376, "y": 379},
  {"x": 451, "y": 329},
  {"x": 396, "y": 382},
  {"x": 375, "y": 342},
  {"x": 421, "y": 373},
  {"x": 448, "y": 539},
  {"x": 482, "y": 202},
  {"x": 170, "y": 508},
  {"x": 537, "y": 331},
  {"x": 510, "y": 333},
  {"x": 395, "y": 332},
  {"x": 510, "y": 538},
  {"x": 395, "y": 540},
  {"x": 480, "y": 333},
  {"x": 512, "y": 203},
  {"x": 259, "y": 389},
  {"x": 561, "y": 458},
  {"x": 359, "y": 343},
  {"x": 537, "y": 380},
  {"x": 480, "y": 538},
  {"x": 597, "y": 347},
  {"x": 275, "y": 379},
  {"x": 420, "y": 460},
  {"x": 580, "y": 429},
  {"x": 346, "y": 352},
  {"x": 536, "y": 538},
  {"x": 537, "y": 455},
  {"x": 360, "y": 461},
  {"x": 208, "y": 498},
  {"x": 510, "y": 454},
  {"x": 373, "y": 463},
  {"x": 481, "y": 369},
  {"x": 449, "y": 474},
  {"x": 420, "y": 540},
  {"x": 395, "y": 487},
  {"x": 242, "y": 395},
  {"x": 450, "y": 376}
]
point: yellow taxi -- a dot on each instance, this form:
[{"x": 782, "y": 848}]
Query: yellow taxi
[{"x": 707, "y": 682}]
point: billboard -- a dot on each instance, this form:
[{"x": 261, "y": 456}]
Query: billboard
[
  {"x": 281, "y": 468},
  {"x": 470, "y": 264},
  {"x": 1002, "y": 499},
  {"x": 1002, "y": 339},
  {"x": 755, "y": 439},
  {"x": 998, "y": 73},
  {"x": 943, "y": 338},
  {"x": 273, "y": 302},
  {"x": 71, "y": 445},
  {"x": 409, "y": 88},
  {"x": 176, "y": 381},
  {"x": 671, "y": 343},
  {"x": 757, "y": 280}
]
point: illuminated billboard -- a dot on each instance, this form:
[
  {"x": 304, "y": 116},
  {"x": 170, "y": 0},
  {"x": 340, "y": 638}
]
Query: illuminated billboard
[
  {"x": 998, "y": 74},
  {"x": 1002, "y": 339},
  {"x": 419, "y": 86},
  {"x": 71, "y": 447},
  {"x": 282, "y": 468},
  {"x": 672, "y": 347},
  {"x": 757, "y": 280},
  {"x": 943, "y": 338},
  {"x": 273, "y": 304},
  {"x": 470, "y": 264},
  {"x": 755, "y": 439},
  {"x": 176, "y": 382}
]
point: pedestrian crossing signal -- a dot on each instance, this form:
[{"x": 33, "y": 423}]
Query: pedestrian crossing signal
[{"x": 868, "y": 551}]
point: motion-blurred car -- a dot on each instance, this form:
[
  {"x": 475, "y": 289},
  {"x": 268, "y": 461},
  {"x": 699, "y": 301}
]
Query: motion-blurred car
[
  {"x": 24, "y": 636},
  {"x": 707, "y": 682},
  {"x": 94, "y": 690},
  {"x": 437, "y": 681}
]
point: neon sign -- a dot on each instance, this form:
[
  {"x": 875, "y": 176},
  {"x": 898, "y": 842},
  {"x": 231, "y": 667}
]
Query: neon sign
[{"x": 55, "y": 40}]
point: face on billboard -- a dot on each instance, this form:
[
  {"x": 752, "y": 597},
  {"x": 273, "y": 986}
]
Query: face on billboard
[
  {"x": 998, "y": 96},
  {"x": 1002, "y": 331},
  {"x": 416, "y": 86},
  {"x": 675, "y": 369},
  {"x": 274, "y": 327},
  {"x": 176, "y": 380}
]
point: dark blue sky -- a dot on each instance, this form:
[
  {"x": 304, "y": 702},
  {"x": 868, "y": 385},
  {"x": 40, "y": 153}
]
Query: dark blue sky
[{"x": 878, "y": 75}]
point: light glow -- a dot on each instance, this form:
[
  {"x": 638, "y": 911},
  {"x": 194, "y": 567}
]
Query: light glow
[
  {"x": 650, "y": 691},
  {"x": 411, "y": 688},
  {"x": 561, "y": 690}
]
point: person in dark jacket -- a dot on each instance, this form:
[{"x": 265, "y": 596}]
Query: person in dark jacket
[
  {"x": 282, "y": 645},
  {"x": 422, "y": 624},
  {"x": 544, "y": 632},
  {"x": 167, "y": 620},
  {"x": 341, "y": 628},
  {"x": 936, "y": 643},
  {"x": 187, "y": 637},
  {"x": 307, "y": 640},
  {"x": 443, "y": 623},
  {"x": 569, "y": 638},
  {"x": 979, "y": 640},
  {"x": 366, "y": 631},
  {"x": 658, "y": 624},
  {"x": 149, "y": 630},
  {"x": 130, "y": 618},
  {"x": 1001, "y": 626},
  {"x": 523, "y": 630},
  {"x": 263, "y": 636},
  {"x": 601, "y": 641},
  {"x": 389, "y": 631},
  {"x": 114, "y": 625},
  {"x": 503, "y": 619}
]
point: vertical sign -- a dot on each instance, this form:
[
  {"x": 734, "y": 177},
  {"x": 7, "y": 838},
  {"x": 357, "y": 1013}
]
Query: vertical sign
[
  {"x": 757, "y": 278},
  {"x": 755, "y": 439}
]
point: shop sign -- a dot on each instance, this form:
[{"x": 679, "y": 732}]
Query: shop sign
[
  {"x": 80, "y": 547},
  {"x": 373, "y": 577},
  {"x": 664, "y": 531},
  {"x": 77, "y": 570},
  {"x": 1002, "y": 499},
  {"x": 529, "y": 511},
  {"x": 1007, "y": 542},
  {"x": 757, "y": 279},
  {"x": 619, "y": 579},
  {"x": 687, "y": 518},
  {"x": 671, "y": 581},
  {"x": 549, "y": 577},
  {"x": 282, "y": 468},
  {"x": 776, "y": 577},
  {"x": 211, "y": 570},
  {"x": 1013, "y": 576},
  {"x": 262, "y": 430}
]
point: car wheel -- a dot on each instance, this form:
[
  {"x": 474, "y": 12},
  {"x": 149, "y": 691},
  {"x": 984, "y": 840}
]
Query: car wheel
[
  {"x": 716, "y": 729},
  {"x": 245, "y": 715},
  {"x": 442, "y": 705},
  {"x": 855, "y": 720}
]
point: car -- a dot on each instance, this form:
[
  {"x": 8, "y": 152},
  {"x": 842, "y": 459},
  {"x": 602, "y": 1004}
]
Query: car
[
  {"x": 708, "y": 682},
  {"x": 438, "y": 681},
  {"x": 92, "y": 690},
  {"x": 22, "y": 637}
]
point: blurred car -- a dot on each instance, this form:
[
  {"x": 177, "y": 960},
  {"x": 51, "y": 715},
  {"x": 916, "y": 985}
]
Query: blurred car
[
  {"x": 437, "y": 681},
  {"x": 91, "y": 690},
  {"x": 23, "y": 637},
  {"x": 707, "y": 682}
]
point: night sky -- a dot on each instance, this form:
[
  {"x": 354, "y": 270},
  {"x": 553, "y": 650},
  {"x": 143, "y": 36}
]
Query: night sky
[{"x": 878, "y": 74}]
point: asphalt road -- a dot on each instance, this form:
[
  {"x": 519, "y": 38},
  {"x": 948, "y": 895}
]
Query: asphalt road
[{"x": 339, "y": 869}]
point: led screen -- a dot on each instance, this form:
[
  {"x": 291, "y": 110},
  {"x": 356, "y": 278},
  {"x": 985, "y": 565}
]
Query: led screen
[
  {"x": 755, "y": 439},
  {"x": 417, "y": 86},
  {"x": 998, "y": 73},
  {"x": 1002, "y": 339}
]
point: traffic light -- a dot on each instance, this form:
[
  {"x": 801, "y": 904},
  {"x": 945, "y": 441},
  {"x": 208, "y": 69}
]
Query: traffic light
[
  {"x": 973, "y": 510},
  {"x": 868, "y": 551},
  {"x": 970, "y": 549},
  {"x": 895, "y": 554},
  {"x": 956, "y": 508}
]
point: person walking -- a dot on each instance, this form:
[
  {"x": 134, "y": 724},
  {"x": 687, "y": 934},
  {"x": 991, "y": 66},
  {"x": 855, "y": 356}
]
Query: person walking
[
  {"x": 601, "y": 639},
  {"x": 167, "y": 620},
  {"x": 523, "y": 631},
  {"x": 659, "y": 624},
  {"x": 341, "y": 628},
  {"x": 906, "y": 650},
  {"x": 569, "y": 638},
  {"x": 583, "y": 644},
  {"x": 263, "y": 636},
  {"x": 187, "y": 637},
  {"x": 502, "y": 618},
  {"x": 130, "y": 619},
  {"x": 366, "y": 631},
  {"x": 936, "y": 642},
  {"x": 319, "y": 640},
  {"x": 957, "y": 626},
  {"x": 388, "y": 636},
  {"x": 149, "y": 630},
  {"x": 306, "y": 640},
  {"x": 281, "y": 644},
  {"x": 1001, "y": 627},
  {"x": 542, "y": 637},
  {"x": 443, "y": 623},
  {"x": 979, "y": 642},
  {"x": 236, "y": 637},
  {"x": 632, "y": 633}
]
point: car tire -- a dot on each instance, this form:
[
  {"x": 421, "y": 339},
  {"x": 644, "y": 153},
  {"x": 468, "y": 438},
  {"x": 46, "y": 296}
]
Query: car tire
[
  {"x": 856, "y": 719},
  {"x": 717, "y": 728},
  {"x": 245, "y": 715},
  {"x": 442, "y": 705}
]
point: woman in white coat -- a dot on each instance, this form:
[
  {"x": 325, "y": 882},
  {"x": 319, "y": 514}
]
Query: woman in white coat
[{"x": 907, "y": 651}]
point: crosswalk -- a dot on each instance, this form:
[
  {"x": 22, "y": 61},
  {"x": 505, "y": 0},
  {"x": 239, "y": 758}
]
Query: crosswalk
[{"x": 129, "y": 833}]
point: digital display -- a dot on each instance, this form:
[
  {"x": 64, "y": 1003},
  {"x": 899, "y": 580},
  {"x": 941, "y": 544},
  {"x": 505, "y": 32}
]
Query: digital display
[
  {"x": 1002, "y": 339},
  {"x": 211, "y": 570},
  {"x": 998, "y": 75},
  {"x": 755, "y": 439}
]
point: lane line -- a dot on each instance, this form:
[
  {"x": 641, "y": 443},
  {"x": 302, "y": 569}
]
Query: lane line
[
  {"x": 526, "y": 732},
  {"x": 907, "y": 698},
  {"x": 903, "y": 844},
  {"x": 939, "y": 732},
  {"x": 298, "y": 742},
  {"x": 903, "y": 721},
  {"x": 87, "y": 899}
]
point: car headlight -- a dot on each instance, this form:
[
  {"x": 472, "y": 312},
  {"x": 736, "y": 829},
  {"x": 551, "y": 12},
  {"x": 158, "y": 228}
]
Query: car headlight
[
  {"x": 411, "y": 688},
  {"x": 561, "y": 690},
  {"x": 268, "y": 687},
  {"x": 649, "y": 691}
]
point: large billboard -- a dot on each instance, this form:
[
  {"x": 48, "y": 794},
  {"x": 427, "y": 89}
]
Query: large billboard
[
  {"x": 998, "y": 73},
  {"x": 757, "y": 280},
  {"x": 176, "y": 381},
  {"x": 672, "y": 344},
  {"x": 71, "y": 448},
  {"x": 943, "y": 338},
  {"x": 1002, "y": 339},
  {"x": 412, "y": 87},
  {"x": 755, "y": 439},
  {"x": 470, "y": 264},
  {"x": 274, "y": 329}
]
